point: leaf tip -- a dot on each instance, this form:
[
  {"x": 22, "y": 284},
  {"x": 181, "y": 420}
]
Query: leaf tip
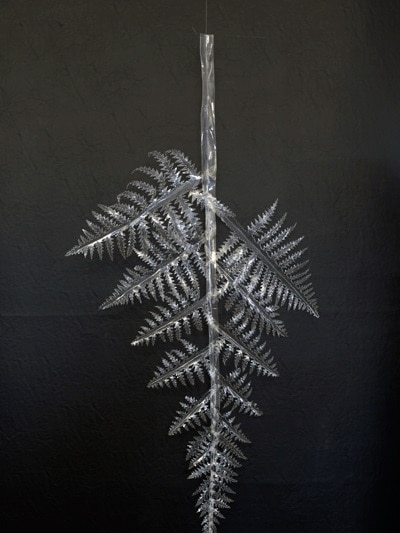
[{"x": 71, "y": 252}]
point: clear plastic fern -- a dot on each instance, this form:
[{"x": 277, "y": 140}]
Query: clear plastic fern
[{"x": 233, "y": 292}]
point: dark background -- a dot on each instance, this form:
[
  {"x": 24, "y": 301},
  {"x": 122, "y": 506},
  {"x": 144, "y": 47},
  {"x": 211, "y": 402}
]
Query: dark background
[{"x": 308, "y": 110}]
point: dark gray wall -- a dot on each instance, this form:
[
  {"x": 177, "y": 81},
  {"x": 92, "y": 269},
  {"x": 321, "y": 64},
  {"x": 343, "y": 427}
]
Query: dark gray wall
[{"x": 308, "y": 110}]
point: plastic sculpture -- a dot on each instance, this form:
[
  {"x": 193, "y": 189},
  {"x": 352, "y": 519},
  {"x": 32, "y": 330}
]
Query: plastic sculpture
[{"x": 169, "y": 222}]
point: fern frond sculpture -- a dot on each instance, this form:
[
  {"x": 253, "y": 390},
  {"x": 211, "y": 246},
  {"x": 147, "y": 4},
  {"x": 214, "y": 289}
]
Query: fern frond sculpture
[{"x": 234, "y": 292}]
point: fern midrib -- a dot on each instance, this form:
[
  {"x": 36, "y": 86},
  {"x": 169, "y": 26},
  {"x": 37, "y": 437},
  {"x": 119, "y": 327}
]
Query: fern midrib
[
  {"x": 174, "y": 371},
  {"x": 252, "y": 245},
  {"x": 240, "y": 437},
  {"x": 144, "y": 280},
  {"x": 209, "y": 170},
  {"x": 230, "y": 388},
  {"x": 195, "y": 409},
  {"x": 253, "y": 302},
  {"x": 154, "y": 206},
  {"x": 230, "y": 338},
  {"x": 174, "y": 319}
]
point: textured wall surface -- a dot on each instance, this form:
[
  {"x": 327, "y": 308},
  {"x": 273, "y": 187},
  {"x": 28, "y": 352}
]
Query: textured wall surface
[{"x": 308, "y": 110}]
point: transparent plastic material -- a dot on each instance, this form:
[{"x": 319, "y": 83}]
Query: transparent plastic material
[
  {"x": 257, "y": 272},
  {"x": 209, "y": 171}
]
